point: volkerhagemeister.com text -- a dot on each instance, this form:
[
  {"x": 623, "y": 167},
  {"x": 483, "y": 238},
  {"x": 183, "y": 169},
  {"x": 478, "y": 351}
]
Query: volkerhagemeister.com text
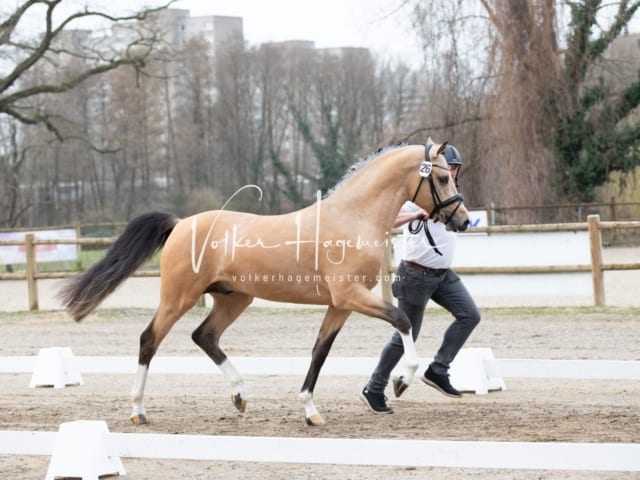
[{"x": 304, "y": 278}]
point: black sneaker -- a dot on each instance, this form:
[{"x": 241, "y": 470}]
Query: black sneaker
[
  {"x": 440, "y": 383},
  {"x": 376, "y": 402}
]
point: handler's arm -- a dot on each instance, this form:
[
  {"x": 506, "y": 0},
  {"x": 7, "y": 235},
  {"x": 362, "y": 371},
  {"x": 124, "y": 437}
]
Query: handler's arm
[{"x": 404, "y": 217}]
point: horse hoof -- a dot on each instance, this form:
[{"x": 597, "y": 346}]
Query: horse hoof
[
  {"x": 315, "y": 421},
  {"x": 399, "y": 386},
  {"x": 239, "y": 402},
  {"x": 138, "y": 419}
]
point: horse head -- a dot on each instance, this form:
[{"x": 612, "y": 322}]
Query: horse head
[{"x": 436, "y": 190}]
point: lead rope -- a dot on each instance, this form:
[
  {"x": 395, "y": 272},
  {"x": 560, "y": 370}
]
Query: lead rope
[
  {"x": 437, "y": 204},
  {"x": 422, "y": 224}
]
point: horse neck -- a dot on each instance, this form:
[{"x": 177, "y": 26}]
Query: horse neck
[{"x": 381, "y": 187}]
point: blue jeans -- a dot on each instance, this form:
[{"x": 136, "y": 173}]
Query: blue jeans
[{"x": 413, "y": 288}]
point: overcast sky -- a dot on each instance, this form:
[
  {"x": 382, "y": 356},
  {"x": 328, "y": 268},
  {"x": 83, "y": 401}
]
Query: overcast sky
[
  {"x": 377, "y": 24},
  {"x": 329, "y": 23}
]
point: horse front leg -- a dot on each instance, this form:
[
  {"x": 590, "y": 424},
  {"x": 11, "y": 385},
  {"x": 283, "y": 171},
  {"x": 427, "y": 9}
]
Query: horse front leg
[
  {"x": 333, "y": 321},
  {"x": 402, "y": 382}
]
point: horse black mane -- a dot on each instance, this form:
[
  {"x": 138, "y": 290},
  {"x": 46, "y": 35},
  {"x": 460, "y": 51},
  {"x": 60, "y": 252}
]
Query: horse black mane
[{"x": 361, "y": 163}]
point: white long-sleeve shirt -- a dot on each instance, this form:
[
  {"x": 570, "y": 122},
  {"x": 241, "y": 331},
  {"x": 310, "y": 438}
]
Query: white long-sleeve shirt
[{"x": 417, "y": 247}]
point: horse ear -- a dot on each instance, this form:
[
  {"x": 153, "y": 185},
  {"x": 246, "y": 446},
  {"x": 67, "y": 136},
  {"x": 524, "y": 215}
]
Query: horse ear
[
  {"x": 430, "y": 140},
  {"x": 441, "y": 148}
]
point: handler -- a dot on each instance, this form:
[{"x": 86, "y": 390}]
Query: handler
[{"x": 425, "y": 273}]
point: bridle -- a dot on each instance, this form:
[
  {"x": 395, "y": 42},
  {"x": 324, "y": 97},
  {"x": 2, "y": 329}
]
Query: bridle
[{"x": 438, "y": 203}]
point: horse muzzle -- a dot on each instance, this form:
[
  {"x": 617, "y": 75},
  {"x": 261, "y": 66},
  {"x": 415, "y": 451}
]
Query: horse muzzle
[
  {"x": 456, "y": 216},
  {"x": 458, "y": 226}
]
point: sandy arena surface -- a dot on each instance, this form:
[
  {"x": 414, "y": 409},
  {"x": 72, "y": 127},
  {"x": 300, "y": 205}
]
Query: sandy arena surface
[{"x": 529, "y": 410}]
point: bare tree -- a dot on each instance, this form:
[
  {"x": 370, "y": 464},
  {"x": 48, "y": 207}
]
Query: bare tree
[
  {"x": 12, "y": 204},
  {"x": 402, "y": 101},
  {"x": 548, "y": 127},
  {"x": 37, "y": 71},
  {"x": 236, "y": 126},
  {"x": 286, "y": 155},
  {"x": 336, "y": 115},
  {"x": 455, "y": 85},
  {"x": 518, "y": 138},
  {"x": 196, "y": 124},
  {"x": 30, "y": 53}
]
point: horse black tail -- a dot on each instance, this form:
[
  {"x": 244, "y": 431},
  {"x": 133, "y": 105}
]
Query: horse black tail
[{"x": 142, "y": 237}]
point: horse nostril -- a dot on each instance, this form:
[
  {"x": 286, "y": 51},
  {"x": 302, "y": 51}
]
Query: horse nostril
[{"x": 464, "y": 225}]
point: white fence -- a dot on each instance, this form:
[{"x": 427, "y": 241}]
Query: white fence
[
  {"x": 67, "y": 458},
  {"x": 339, "y": 451},
  {"x": 362, "y": 366},
  {"x": 528, "y": 260},
  {"x": 568, "y": 259}
]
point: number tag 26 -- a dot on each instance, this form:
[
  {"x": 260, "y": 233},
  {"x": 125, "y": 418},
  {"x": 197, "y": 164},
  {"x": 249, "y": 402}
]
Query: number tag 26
[{"x": 425, "y": 169}]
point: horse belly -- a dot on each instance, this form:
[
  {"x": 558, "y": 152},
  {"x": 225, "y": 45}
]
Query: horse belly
[{"x": 280, "y": 287}]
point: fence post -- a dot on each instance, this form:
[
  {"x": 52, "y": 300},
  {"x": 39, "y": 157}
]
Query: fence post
[
  {"x": 613, "y": 213},
  {"x": 32, "y": 285},
  {"x": 612, "y": 209},
  {"x": 595, "y": 244},
  {"x": 78, "y": 247}
]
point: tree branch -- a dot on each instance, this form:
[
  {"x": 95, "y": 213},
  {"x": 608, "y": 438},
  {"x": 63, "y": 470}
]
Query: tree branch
[
  {"x": 444, "y": 126},
  {"x": 51, "y": 33},
  {"x": 8, "y": 26},
  {"x": 621, "y": 20}
]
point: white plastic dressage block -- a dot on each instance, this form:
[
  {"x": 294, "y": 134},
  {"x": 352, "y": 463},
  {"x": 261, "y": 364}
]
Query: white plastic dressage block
[
  {"x": 55, "y": 368},
  {"x": 81, "y": 451},
  {"x": 469, "y": 372}
]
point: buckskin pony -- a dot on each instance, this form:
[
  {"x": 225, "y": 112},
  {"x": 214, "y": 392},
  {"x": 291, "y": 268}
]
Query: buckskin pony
[{"x": 328, "y": 253}]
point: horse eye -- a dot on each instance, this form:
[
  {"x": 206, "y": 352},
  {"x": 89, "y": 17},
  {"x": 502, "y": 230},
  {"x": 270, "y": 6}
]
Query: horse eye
[{"x": 444, "y": 180}]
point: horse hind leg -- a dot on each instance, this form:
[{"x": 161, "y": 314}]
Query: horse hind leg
[
  {"x": 150, "y": 340},
  {"x": 226, "y": 309},
  {"x": 331, "y": 324}
]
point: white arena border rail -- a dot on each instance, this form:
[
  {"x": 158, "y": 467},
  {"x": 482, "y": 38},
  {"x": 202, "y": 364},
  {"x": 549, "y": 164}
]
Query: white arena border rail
[
  {"x": 430, "y": 453},
  {"x": 513, "y": 368},
  {"x": 340, "y": 451}
]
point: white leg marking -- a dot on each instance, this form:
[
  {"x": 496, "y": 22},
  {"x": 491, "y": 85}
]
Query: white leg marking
[
  {"x": 410, "y": 356},
  {"x": 306, "y": 397},
  {"x": 137, "y": 392},
  {"x": 232, "y": 374}
]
